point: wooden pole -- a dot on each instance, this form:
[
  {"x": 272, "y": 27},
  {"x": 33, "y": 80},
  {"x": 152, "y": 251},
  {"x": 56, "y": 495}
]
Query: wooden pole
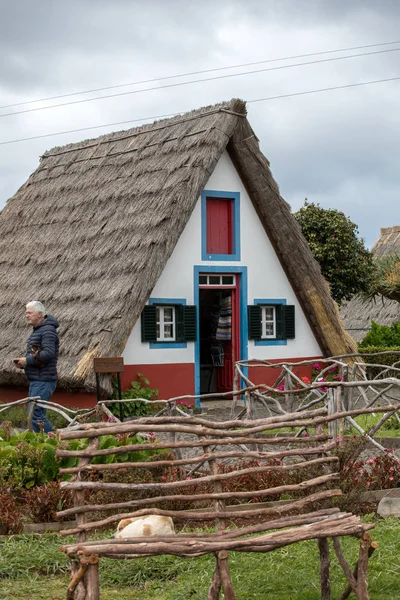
[
  {"x": 92, "y": 578},
  {"x": 343, "y": 563},
  {"x": 348, "y": 589},
  {"x": 236, "y": 385},
  {"x": 225, "y": 575},
  {"x": 219, "y": 578},
  {"x": 215, "y": 587},
  {"x": 339, "y": 409},
  {"x": 79, "y": 500},
  {"x": 332, "y": 425},
  {"x": 76, "y": 589},
  {"x": 362, "y": 586},
  {"x": 324, "y": 569}
]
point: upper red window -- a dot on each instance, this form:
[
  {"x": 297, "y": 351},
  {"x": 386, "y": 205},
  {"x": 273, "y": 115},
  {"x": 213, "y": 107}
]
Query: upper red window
[{"x": 219, "y": 225}]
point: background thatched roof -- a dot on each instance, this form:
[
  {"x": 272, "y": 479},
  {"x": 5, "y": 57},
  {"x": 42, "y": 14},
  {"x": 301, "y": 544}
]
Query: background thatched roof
[
  {"x": 91, "y": 230},
  {"x": 358, "y": 313}
]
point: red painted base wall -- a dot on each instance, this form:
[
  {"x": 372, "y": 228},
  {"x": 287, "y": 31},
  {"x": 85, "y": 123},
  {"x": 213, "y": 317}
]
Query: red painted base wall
[
  {"x": 269, "y": 375},
  {"x": 171, "y": 380},
  {"x": 70, "y": 399}
]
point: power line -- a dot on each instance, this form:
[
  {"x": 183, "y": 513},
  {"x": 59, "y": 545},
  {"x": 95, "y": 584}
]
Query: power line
[
  {"x": 249, "y": 64},
  {"x": 153, "y": 118},
  {"x": 328, "y": 89},
  {"x": 173, "y": 85}
]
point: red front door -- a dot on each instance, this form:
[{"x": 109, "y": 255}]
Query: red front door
[
  {"x": 231, "y": 346},
  {"x": 220, "y": 337}
]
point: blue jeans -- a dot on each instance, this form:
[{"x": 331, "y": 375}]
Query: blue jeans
[{"x": 45, "y": 390}]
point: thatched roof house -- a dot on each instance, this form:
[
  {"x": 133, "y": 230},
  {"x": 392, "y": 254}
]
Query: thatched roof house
[
  {"x": 358, "y": 313},
  {"x": 92, "y": 229}
]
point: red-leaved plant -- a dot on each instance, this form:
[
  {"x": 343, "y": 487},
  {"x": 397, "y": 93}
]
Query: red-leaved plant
[
  {"x": 10, "y": 513},
  {"x": 42, "y": 502}
]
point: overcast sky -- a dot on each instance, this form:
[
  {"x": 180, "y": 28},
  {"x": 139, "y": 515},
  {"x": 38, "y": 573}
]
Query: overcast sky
[{"x": 339, "y": 148}]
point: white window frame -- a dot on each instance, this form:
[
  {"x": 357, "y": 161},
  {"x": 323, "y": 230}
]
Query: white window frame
[
  {"x": 264, "y": 321},
  {"x": 160, "y": 321},
  {"x": 207, "y": 283}
]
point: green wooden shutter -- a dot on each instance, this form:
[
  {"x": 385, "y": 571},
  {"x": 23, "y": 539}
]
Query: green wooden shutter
[
  {"x": 190, "y": 323},
  {"x": 289, "y": 322},
  {"x": 280, "y": 321},
  {"x": 254, "y": 322},
  {"x": 180, "y": 326},
  {"x": 149, "y": 324}
]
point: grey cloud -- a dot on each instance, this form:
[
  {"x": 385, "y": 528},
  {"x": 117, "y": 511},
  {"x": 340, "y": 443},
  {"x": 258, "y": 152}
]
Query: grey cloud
[{"x": 339, "y": 149}]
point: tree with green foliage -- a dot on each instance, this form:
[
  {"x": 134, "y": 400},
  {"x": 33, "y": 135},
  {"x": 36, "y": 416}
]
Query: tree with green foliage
[{"x": 345, "y": 261}]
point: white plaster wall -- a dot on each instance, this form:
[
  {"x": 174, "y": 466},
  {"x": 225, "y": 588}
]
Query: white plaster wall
[{"x": 266, "y": 279}]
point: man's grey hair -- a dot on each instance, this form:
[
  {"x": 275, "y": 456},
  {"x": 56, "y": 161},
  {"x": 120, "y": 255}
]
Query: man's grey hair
[{"x": 37, "y": 306}]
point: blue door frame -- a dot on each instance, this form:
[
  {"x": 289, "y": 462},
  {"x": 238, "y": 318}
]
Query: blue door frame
[{"x": 242, "y": 271}]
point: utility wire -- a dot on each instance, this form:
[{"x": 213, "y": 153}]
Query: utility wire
[
  {"x": 328, "y": 89},
  {"x": 173, "y": 85},
  {"x": 250, "y": 64}
]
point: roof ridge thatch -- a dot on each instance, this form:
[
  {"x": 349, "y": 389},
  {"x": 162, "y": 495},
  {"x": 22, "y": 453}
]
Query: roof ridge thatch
[
  {"x": 97, "y": 221},
  {"x": 388, "y": 243},
  {"x": 143, "y": 129}
]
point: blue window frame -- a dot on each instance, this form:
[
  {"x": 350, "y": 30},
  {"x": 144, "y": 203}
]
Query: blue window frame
[
  {"x": 235, "y": 196},
  {"x": 168, "y": 302},
  {"x": 269, "y": 323}
]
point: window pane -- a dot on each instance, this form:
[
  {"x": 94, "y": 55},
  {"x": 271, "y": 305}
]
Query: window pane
[
  {"x": 269, "y": 329},
  {"x": 157, "y": 314},
  {"x": 227, "y": 279},
  {"x": 168, "y": 331},
  {"x": 269, "y": 313},
  {"x": 214, "y": 279},
  {"x": 158, "y": 331},
  {"x": 168, "y": 315},
  {"x": 202, "y": 279}
]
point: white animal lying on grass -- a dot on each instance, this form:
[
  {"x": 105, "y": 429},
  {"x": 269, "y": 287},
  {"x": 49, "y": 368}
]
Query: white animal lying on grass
[{"x": 144, "y": 527}]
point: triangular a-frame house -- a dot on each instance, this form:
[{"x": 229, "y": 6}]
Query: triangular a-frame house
[
  {"x": 168, "y": 244},
  {"x": 358, "y": 313}
]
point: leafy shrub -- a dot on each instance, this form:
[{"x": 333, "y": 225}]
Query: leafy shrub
[
  {"x": 42, "y": 502},
  {"x": 383, "y": 359},
  {"x": 384, "y": 336},
  {"x": 138, "y": 389},
  {"x": 391, "y": 423},
  {"x": 27, "y": 459},
  {"x": 10, "y": 513},
  {"x": 359, "y": 475}
]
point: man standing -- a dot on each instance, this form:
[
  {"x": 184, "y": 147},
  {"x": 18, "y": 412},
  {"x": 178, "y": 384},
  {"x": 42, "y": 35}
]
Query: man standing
[{"x": 40, "y": 361}]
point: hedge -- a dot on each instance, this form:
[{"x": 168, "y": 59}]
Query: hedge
[{"x": 391, "y": 356}]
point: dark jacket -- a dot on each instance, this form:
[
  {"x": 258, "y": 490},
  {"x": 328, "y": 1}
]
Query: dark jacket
[{"x": 42, "y": 351}]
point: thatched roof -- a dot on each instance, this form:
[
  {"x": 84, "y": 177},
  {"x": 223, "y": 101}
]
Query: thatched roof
[
  {"x": 91, "y": 230},
  {"x": 358, "y": 313},
  {"x": 388, "y": 243}
]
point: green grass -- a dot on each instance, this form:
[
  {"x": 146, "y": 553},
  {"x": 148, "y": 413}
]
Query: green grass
[
  {"x": 369, "y": 420},
  {"x": 18, "y": 415},
  {"x": 365, "y": 421},
  {"x": 33, "y": 568}
]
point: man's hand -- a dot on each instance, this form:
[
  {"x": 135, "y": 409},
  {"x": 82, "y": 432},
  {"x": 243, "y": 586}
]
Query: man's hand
[{"x": 20, "y": 362}]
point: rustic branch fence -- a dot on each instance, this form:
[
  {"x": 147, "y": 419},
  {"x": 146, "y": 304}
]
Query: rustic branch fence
[
  {"x": 200, "y": 448},
  {"x": 351, "y": 389},
  {"x": 212, "y": 458}
]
